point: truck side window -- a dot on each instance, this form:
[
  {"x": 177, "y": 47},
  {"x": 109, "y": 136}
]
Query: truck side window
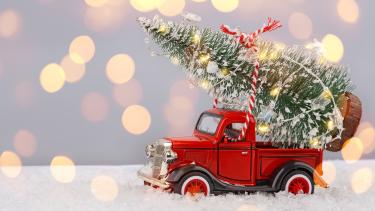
[{"x": 233, "y": 130}]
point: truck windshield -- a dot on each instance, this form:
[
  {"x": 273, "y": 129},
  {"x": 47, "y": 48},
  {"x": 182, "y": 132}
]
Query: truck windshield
[{"x": 208, "y": 123}]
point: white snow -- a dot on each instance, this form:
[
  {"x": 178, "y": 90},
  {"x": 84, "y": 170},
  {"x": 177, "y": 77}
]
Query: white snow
[{"x": 36, "y": 189}]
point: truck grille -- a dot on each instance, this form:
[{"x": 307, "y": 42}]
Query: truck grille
[{"x": 157, "y": 161}]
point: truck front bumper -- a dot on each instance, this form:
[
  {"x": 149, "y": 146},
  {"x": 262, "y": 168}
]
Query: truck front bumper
[{"x": 153, "y": 181}]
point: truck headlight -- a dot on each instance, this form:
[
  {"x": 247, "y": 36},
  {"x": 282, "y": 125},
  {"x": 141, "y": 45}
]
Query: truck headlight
[{"x": 170, "y": 156}]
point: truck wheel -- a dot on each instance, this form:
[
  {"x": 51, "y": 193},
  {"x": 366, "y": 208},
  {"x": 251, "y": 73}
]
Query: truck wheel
[
  {"x": 194, "y": 183},
  {"x": 298, "y": 182}
]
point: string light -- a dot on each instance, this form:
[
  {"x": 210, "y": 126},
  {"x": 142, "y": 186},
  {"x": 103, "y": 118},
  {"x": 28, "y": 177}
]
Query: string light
[
  {"x": 164, "y": 29},
  {"x": 314, "y": 143},
  {"x": 175, "y": 61},
  {"x": 224, "y": 71},
  {"x": 196, "y": 38},
  {"x": 275, "y": 91},
  {"x": 263, "y": 128},
  {"x": 205, "y": 84},
  {"x": 327, "y": 94},
  {"x": 330, "y": 125},
  {"x": 204, "y": 58}
]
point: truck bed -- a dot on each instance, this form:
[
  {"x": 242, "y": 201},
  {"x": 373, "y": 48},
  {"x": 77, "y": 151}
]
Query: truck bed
[{"x": 270, "y": 158}]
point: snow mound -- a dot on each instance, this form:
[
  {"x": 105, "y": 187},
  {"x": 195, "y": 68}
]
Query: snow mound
[{"x": 36, "y": 189}]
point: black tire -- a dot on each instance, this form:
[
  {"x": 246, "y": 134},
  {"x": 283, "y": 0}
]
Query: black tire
[
  {"x": 178, "y": 187},
  {"x": 295, "y": 173}
]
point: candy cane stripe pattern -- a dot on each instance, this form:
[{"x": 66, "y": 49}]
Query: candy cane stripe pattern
[{"x": 248, "y": 41}]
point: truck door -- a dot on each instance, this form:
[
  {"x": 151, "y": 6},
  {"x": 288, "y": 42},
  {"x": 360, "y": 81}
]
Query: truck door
[{"x": 234, "y": 157}]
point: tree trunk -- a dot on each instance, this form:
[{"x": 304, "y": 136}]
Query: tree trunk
[{"x": 351, "y": 110}]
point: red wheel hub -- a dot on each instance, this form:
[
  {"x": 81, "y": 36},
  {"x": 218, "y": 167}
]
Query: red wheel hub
[
  {"x": 196, "y": 186},
  {"x": 299, "y": 185}
]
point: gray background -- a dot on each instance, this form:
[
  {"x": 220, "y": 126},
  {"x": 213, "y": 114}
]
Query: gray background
[{"x": 56, "y": 120}]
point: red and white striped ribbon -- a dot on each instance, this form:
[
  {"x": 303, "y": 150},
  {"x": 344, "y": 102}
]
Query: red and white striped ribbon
[{"x": 248, "y": 41}]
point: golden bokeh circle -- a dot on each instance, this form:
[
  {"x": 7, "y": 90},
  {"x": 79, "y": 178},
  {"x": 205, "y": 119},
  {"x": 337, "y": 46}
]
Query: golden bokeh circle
[
  {"x": 82, "y": 49},
  {"x": 94, "y": 107},
  {"x": 73, "y": 71},
  {"x": 10, "y": 164},
  {"x": 63, "y": 169},
  {"x": 52, "y": 78},
  {"x": 120, "y": 68},
  {"x": 333, "y": 48},
  {"x": 225, "y": 5},
  {"x": 362, "y": 180},
  {"x": 104, "y": 188},
  {"x": 348, "y": 10},
  {"x": 352, "y": 150},
  {"x": 171, "y": 7},
  {"x": 136, "y": 119}
]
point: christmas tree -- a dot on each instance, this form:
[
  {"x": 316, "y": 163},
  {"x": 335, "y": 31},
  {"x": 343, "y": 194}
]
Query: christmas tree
[{"x": 298, "y": 92}]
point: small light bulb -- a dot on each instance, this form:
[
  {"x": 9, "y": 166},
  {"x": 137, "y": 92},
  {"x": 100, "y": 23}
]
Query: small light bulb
[
  {"x": 275, "y": 91},
  {"x": 175, "y": 61},
  {"x": 224, "y": 71},
  {"x": 263, "y": 128},
  {"x": 327, "y": 94},
  {"x": 196, "y": 38},
  {"x": 263, "y": 56},
  {"x": 330, "y": 125},
  {"x": 163, "y": 29},
  {"x": 204, "y": 58},
  {"x": 279, "y": 46},
  {"x": 205, "y": 84},
  {"x": 314, "y": 142}
]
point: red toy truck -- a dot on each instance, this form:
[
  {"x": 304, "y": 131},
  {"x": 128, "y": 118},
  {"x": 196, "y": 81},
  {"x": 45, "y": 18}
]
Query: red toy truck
[{"x": 208, "y": 163}]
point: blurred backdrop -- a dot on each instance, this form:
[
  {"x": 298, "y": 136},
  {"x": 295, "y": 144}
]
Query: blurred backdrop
[{"x": 79, "y": 85}]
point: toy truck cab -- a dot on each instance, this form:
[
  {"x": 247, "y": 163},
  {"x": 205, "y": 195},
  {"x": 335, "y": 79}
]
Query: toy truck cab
[{"x": 208, "y": 163}]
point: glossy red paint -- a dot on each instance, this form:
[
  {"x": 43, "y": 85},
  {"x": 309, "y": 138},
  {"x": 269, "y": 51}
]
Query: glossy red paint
[{"x": 239, "y": 163}]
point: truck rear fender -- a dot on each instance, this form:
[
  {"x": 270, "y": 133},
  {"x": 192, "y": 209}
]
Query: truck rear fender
[{"x": 286, "y": 169}]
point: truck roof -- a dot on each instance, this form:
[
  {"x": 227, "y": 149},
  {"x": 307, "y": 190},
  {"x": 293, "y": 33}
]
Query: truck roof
[{"x": 227, "y": 112}]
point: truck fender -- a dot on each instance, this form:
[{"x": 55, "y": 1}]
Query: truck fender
[
  {"x": 178, "y": 173},
  {"x": 286, "y": 169}
]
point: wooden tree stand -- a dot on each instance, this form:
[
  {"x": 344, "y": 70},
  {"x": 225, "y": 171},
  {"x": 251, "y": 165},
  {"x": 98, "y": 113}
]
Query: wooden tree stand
[{"x": 351, "y": 110}]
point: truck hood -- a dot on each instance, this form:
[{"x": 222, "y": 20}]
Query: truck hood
[{"x": 190, "y": 142}]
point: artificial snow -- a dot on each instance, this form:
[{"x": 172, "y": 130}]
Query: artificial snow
[{"x": 36, "y": 189}]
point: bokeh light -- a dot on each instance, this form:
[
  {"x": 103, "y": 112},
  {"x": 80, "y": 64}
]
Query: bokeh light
[
  {"x": 10, "y": 164},
  {"x": 333, "y": 49},
  {"x": 82, "y": 49},
  {"x": 120, "y": 68},
  {"x": 329, "y": 171},
  {"x": 361, "y": 180},
  {"x": 352, "y": 150},
  {"x": 52, "y": 78},
  {"x": 366, "y": 133},
  {"x": 178, "y": 112},
  {"x": 24, "y": 94},
  {"x": 171, "y": 7},
  {"x": 73, "y": 71},
  {"x": 144, "y": 5},
  {"x": 128, "y": 93},
  {"x": 94, "y": 107},
  {"x": 348, "y": 10},
  {"x": 25, "y": 143},
  {"x": 63, "y": 169},
  {"x": 106, "y": 18},
  {"x": 104, "y": 188},
  {"x": 225, "y": 5},
  {"x": 300, "y": 25},
  {"x": 10, "y": 23},
  {"x": 95, "y": 3},
  {"x": 136, "y": 119}
]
